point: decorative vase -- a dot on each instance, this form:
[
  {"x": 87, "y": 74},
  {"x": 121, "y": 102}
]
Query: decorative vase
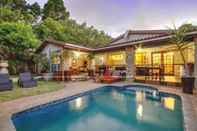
[{"x": 3, "y": 67}]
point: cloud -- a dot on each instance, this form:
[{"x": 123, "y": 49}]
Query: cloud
[{"x": 117, "y": 16}]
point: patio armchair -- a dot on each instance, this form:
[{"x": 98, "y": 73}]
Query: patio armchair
[
  {"x": 5, "y": 82},
  {"x": 26, "y": 80}
]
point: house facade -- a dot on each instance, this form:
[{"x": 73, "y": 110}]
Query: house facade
[{"x": 147, "y": 55}]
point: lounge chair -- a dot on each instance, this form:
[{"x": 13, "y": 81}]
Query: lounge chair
[
  {"x": 5, "y": 82},
  {"x": 26, "y": 80},
  {"x": 108, "y": 78}
]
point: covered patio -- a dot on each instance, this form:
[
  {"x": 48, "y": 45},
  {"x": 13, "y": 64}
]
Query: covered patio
[{"x": 142, "y": 56}]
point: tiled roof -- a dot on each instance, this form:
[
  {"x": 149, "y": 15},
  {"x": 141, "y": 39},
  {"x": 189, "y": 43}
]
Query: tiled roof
[
  {"x": 138, "y": 35},
  {"x": 127, "y": 39}
]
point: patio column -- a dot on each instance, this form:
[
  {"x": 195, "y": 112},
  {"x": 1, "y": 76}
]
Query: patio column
[
  {"x": 195, "y": 62},
  {"x": 130, "y": 62}
]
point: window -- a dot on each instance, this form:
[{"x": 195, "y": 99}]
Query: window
[
  {"x": 99, "y": 59},
  {"x": 141, "y": 59},
  {"x": 55, "y": 67},
  {"x": 156, "y": 57},
  {"x": 117, "y": 59},
  {"x": 168, "y": 59}
]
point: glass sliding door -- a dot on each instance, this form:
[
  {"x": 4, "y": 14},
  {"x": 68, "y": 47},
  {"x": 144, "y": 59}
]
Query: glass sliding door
[
  {"x": 165, "y": 61},
  {"x": 156, "y": 59},
  {"x": 168, "y": 62}
]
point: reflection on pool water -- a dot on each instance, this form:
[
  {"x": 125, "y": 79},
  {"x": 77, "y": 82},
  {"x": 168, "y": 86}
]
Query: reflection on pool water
[
  {"x": 78, "y": 104},
  {"x": 169, "y": 103},
  {"x": 106, "y": 109}
]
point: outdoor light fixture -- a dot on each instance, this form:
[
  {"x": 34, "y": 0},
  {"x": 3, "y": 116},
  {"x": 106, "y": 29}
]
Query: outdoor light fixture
[{"x": 77, "y": 54}]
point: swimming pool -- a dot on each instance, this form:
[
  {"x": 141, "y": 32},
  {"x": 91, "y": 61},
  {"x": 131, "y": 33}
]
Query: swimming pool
[{"x": 128, "y": 108}]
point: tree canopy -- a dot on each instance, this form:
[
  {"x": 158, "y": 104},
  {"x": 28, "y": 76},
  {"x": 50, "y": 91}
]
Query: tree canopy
[
  {"x": 55, "y": 9},
  {"x": 24, "y": 26},
  {"x": 15, "y": 38}
]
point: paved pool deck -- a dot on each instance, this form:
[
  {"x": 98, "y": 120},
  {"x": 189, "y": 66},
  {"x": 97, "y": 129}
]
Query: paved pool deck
[{"x": 71, "y": 88}]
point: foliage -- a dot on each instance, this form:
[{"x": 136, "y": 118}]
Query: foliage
[
  {"x": 41, "y": 61},
  {"x": 14, "y": 4},
  {"x": 6, "y": 14},
  {"x": 18, "y": 10},
  {"x": 91, "y": 56},
  {"x": 180, "y": 40},
  {"x": 70, "y": 31},
  {"x": 22, "y": 29},
  {"x": 50, "y": 28},
  {"x": 16, "y": 38},
  {"x": 35, "y": 9},
  {"x": 55, "y": 9}
]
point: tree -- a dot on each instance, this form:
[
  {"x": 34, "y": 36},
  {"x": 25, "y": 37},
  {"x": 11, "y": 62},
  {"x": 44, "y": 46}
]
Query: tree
[
  {"x": 180, "y": 40},
  {"x": 6, "y": 14},
  {"x": 35, "y": 10},
  {"x": 14, "y": 4},
  {"x": 16, "y": 38},
  {"x": 55, "y": 9},
  {"x": 9, "y": 15},
  {"x": 50, "y": 28}
]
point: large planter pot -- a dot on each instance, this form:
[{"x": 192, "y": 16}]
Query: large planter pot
[
  {"x": 47, "y": 76},
  {"x": 188, "y": 84}
]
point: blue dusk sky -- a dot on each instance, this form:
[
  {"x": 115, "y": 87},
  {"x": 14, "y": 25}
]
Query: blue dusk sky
[{"x": 117, "y": 16}]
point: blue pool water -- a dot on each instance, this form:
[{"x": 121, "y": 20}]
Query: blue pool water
[{"x": 106, "y": 109}]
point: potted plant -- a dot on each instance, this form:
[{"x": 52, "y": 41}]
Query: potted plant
[
  {"x": 47, "y": 75},
  {"x": 180, "y": 40},
  {"x": 44, "y": 66}
]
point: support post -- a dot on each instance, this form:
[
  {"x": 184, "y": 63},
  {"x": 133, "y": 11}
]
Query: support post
[
  {"x": 62, "y": 64},
  {"x": 195, "y": 62},
  {"x": 130, "y": 62}
]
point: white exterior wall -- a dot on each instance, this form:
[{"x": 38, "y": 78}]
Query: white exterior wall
[{"x": 49, "y": 49}]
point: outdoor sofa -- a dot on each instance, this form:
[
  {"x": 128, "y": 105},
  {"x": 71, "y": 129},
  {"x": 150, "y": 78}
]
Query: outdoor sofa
[
  {"x": 5, "y": 82},
  {"x": 26, "y": 80}
]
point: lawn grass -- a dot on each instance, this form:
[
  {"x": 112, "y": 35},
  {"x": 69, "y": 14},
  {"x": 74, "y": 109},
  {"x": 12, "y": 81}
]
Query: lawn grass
[{"x": 42, "y": 87}]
